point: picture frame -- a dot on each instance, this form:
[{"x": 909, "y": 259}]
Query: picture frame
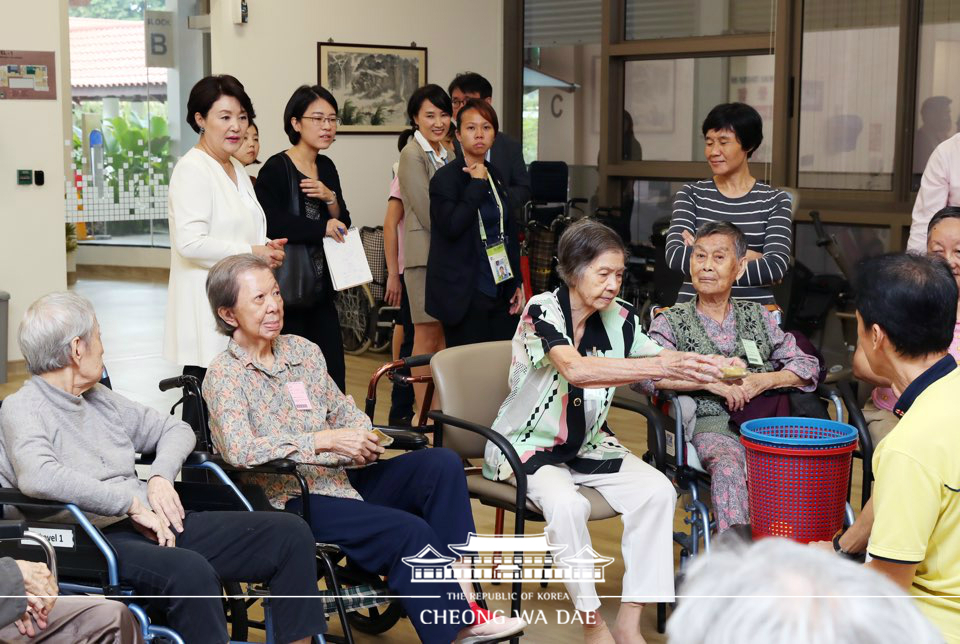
[{"x": 371, "y": 83}]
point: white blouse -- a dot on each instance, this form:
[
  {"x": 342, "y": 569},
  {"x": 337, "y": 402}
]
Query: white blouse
[{"x": 211, "y": 217}]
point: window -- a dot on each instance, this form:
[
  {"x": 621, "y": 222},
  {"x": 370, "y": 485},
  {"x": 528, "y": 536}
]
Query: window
[
  {"x": 848, "y": 94},
  {"x": 938, "y": 86},
  {"x": 648, "y": 19},
  {"x": 665, "y": 102},
  {"x": 644, "y": 202},
  {"x": 128, "y": 123}
]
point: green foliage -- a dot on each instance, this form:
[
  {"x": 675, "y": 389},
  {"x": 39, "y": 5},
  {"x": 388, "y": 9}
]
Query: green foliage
[
  {"x": 144, "y": 146},
  {"x": 378, "y": 117},
  {"x": 116, "y": 9},
  {"x": 71, "y": 231},
  {"x": 349, "y": 113}
]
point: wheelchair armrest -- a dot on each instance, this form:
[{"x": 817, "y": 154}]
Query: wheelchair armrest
[
  {"x": 13, "y": 496},
  {"x": 405, "y": 439},
  {"x": 656, "y": 429},
  {"x": 501, "y": 442},
  {"x": 12, "y": 528}
]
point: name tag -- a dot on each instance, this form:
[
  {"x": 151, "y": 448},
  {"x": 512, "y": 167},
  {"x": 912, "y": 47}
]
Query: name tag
[
  {"x": 753, "y": 353},
  {"x": 298, "y": 393},
  {"x": 595, "y": 395},
  {"x": 499, "y": 263},
  {"x": 56, "y": 537}
]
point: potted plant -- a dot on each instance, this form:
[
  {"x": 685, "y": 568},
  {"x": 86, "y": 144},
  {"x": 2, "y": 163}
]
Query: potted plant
[{"x": 71, "y": 232}]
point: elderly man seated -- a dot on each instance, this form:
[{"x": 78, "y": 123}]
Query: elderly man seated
[
  {"x": 906, "y": 315},
  {"x": 31, "y": 611},
  {"x": 713, "y": 323},
  {"x": 69, "y": 439}
]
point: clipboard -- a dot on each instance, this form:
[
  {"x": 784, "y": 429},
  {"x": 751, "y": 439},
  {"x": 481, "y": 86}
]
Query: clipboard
[{"x": 347, "y": 261}]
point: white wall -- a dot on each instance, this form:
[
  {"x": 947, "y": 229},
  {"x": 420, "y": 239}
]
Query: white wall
[
  {"x": 32, "y": 135},
  {"x": 277, "y": 50}
]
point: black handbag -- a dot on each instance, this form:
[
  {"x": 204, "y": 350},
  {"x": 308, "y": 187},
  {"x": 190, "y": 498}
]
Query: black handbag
[{"x": 300, "y": 284}]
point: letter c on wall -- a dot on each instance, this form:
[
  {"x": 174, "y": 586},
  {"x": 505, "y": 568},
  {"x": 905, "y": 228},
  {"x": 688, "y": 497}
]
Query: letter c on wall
[{"x": 555, "y": 108}]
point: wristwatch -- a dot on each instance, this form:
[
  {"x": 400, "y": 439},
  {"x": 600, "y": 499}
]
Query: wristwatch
[{"x": 333, "y": 200}]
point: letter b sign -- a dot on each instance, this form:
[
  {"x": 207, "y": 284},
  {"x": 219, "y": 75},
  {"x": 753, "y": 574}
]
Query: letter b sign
[
  {"x": 158, "y": 44},
  {"x": 159, "y": 41}
]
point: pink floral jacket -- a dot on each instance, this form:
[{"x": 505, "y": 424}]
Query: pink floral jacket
[{"x": 254, "y": 419}]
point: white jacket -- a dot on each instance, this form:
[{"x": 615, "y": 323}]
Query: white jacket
[{"x": 210, "y": 218}]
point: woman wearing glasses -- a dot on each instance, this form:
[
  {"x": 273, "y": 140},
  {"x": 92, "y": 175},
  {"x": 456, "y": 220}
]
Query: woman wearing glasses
[{"x": 299, "y": 190}]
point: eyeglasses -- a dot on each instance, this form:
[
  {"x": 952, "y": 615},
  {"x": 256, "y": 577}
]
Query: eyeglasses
[
  {"x": 332, "y": 121},
  {"x": 458, "y": 103}
]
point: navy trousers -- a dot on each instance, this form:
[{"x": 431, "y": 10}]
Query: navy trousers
[
  {"x": 410, "y": 501},
  {"x": 270, "y": 547}
]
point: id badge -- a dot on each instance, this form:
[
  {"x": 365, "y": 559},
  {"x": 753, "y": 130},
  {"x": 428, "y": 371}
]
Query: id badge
[
  {"x": 298, "y": 393},
  {"x": 499, "y": 263},
  {"x": 753, "y": 353}
]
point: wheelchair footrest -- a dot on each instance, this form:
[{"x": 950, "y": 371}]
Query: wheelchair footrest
[{"x": 355, "y": 597}]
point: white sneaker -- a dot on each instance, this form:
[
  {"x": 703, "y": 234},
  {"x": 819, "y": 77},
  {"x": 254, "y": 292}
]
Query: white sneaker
[{"x": 492, "y": 631}]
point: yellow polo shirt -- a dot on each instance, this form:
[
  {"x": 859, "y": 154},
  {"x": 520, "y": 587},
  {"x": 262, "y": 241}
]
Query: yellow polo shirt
[{"x": 917, "y": 494}]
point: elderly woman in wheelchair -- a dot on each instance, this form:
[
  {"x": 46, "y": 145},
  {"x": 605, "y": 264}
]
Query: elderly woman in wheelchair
[
  {"x": 714, "y": 323},
  {"x": 572, "y": 348},
  {"x": 67, "y": 438},
  {"x": 270, "y": 397}
]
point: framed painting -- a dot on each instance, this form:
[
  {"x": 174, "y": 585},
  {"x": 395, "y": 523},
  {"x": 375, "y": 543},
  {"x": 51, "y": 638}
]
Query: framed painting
[{"x": 371, "y": 84}]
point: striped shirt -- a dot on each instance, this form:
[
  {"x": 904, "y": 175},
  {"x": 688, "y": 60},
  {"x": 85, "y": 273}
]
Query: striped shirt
[{"x": 764, "y": 216}]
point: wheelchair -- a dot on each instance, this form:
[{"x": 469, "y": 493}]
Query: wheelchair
[
  {"x": 359, "y": 598},
  {"x": 84, "y": 561}
]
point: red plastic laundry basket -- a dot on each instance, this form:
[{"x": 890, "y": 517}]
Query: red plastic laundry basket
[{"x": 795, "y": 491}]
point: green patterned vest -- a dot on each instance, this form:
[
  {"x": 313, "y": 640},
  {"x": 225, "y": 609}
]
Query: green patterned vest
[{"x": 690, "y": 335}]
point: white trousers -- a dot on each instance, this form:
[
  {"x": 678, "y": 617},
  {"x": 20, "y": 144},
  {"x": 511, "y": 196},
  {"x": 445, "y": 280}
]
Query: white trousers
[{"x": 645, "y": 499}]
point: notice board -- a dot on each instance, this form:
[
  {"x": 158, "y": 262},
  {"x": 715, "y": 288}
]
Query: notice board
[{"x": 28, "y": 75}]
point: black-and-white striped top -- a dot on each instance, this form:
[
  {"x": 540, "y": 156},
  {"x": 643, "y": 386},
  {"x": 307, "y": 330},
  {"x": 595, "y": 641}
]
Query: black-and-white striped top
[{"x": 764, "y": 216}]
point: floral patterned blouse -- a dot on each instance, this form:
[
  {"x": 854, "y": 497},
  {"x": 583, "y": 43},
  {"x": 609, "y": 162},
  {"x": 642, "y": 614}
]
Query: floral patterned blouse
[
  {"x": 254, "y": 418},
  {"x": 547, "y": 419}
]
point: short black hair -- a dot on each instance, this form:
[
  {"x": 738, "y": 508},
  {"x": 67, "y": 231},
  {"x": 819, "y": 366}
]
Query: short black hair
[
  {"x": 484, "y": 108},
  {"x": 208, "y": 91},
  {"x": 471, "y": 83},
  {"x": 913, "y": 298},
  {"x": 297, "y": 106},
  {"x": 432, "y": 93},
  {"x": 744, "y": 121},
  {"x": 950, "y": 212}
]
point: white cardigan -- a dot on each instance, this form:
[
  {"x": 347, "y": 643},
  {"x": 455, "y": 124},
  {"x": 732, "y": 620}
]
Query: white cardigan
[{"x": 210, "y": 218}]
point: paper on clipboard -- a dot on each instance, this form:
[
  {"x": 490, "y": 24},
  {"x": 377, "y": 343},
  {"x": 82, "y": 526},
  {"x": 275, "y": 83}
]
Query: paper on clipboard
[{"x": 347, "y": 261}]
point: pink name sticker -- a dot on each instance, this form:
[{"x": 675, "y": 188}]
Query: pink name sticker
[{"x": 298, "y": 392}]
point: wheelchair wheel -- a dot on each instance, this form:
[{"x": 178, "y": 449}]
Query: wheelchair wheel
[
  {"x": 355, "y": 308},
  {"x": 236, "y": 609},
  {"x": 374, "y": 619}
]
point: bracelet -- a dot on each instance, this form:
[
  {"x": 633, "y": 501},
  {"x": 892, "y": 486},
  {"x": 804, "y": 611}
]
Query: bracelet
[{"x": 332, "y": 201}]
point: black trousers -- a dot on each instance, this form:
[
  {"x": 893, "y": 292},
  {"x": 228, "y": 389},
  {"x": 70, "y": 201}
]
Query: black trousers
[
  {"x": 275, "y": 548},
  {"x": 401, "y": 395},
  {"x": 321, "y": 325},
  {"x": 488, "y": 319},
  {"x": 412, "y": 501}
]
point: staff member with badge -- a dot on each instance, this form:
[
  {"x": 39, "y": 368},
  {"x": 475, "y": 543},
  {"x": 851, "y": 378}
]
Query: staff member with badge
[{"x": 473, "y": 271}]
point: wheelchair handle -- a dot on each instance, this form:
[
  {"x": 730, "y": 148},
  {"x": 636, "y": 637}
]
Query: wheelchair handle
[
  {"x": 47, "y": 549},
  {"x": 179, "y": 382}
]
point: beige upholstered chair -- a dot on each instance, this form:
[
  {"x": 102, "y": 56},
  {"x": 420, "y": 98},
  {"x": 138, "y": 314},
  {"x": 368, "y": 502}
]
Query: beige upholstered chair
[{"x": 471, "y": 382}]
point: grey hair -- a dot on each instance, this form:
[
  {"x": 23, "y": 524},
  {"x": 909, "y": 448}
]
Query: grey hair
[
  {"x": 779, "y": 592},
  {"x": 580, "y": 244},
  {"x": 48, "y": 328},
  {"x": 223, "y": 284},
  {"x": 724, "y": 228}
]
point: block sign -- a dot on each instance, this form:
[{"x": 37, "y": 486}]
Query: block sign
[{"x": 159, "y": 38}]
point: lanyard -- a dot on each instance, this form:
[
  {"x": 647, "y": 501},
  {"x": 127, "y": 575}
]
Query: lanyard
[{"x": 496, "y": 197}]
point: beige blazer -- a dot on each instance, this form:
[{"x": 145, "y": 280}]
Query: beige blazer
[
  {"x": 415, "y": 171},
  {"x": 210, "y": 218}
]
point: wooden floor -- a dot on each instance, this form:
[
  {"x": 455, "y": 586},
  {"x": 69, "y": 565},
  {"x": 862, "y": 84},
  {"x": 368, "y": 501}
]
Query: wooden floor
[{"x": 130, "y": 310}]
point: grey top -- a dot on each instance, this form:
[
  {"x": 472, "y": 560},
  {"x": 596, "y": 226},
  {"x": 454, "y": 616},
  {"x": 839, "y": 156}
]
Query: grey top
[
  {"x": 81, "y": 449},
  {"x": 14, "y": 602}
]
